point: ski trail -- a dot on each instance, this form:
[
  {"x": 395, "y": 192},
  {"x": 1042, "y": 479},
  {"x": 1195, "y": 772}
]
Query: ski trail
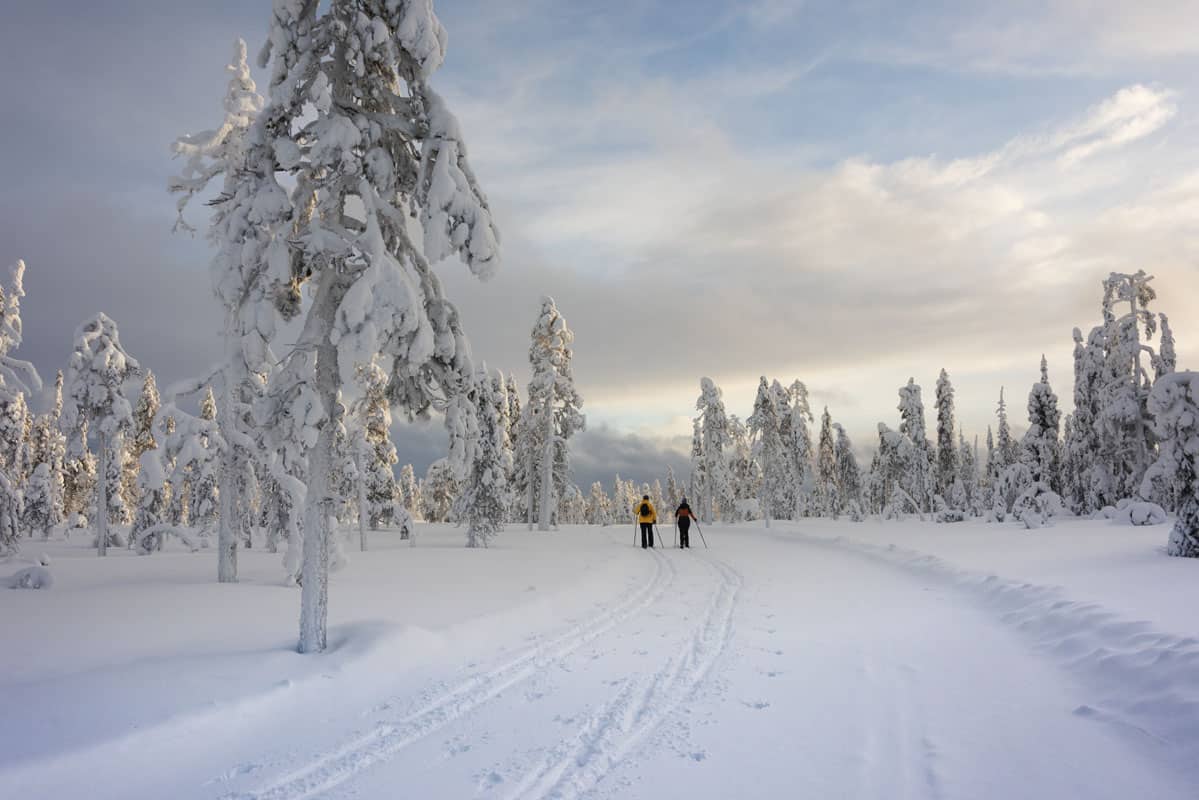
[
  {"x": 387, "y": 739},
  {"x": 611, "y": 733}
]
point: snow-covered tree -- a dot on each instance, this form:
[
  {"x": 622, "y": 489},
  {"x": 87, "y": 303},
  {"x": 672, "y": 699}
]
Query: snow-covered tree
[
  {"x": 797, "y": 443},
  {"x": 849, "y": 476},
  {"x": 947, "y": 449},
  {"x": 374, "y": 418},
  {"x": 38, "y": 508},
  {"x": 599, "y": 506},
  {"x": 967, "y": 476},
  {"x": 190, "y": 448},
  {"x": 18, "y": 379},
  {"x": 483, "y": 501},
  {"x": 698, "y": 483},
  {"x": 250, "y": 227},
  {"x": 366, "y": 143},
  {"x": 1174, "y": 403},
  {"x": 1041, "y": 444},
  {"x": 572, "y": 506},
  {"x": 409, "y": 493},
  {"x": 714, "y": 428},
  {"x": 769, "y": 451},
  {"x": 828, "y": 495},
  {"x": 140, "y": 438},
  {"x": 96, "y": 374},
  {"x": 551, "y": 417},
  {"x": 1165, "y": 361},
  {"x": 920, "y": 480},
  {"x": 438, "y": 490},
  {"x": 1126, "y": 441},
  {"x": 15, "y": 422},
  {"x": 151, "y": 516},
  {"x": 674, "y": 493}
]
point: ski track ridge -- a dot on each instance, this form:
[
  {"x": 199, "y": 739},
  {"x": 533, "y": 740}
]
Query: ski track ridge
[
  {"x": 1144, "y": 677},
  {"x": 610, "y": 734},
  {"x": 387, "y": 739}
]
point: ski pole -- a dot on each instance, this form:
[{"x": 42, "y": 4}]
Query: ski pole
[
  {"x": 701, "y": 534},
  {"x": 676, "y": 531},
  {"x": 634, "y": 533}
]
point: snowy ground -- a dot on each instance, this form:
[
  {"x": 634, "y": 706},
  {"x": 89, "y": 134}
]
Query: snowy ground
[{"x": 824, "y": 660}]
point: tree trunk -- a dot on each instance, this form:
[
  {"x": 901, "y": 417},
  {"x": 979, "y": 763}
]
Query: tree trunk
[
  {"x": 363, "y": 506},
  {"x": 227, "y": 525},
  {"x": 102, "y": 497},
  {"x": 314, "y": 572},
  {"x": 547, "y": 466},
  {"x": 532, "y": 484}
]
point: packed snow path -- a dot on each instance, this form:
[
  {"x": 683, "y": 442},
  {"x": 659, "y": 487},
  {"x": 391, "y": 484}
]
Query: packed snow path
[{"x": 771, "y": 666}]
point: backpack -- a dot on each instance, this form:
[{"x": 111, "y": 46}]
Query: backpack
[{"x": 645, "y": 509}]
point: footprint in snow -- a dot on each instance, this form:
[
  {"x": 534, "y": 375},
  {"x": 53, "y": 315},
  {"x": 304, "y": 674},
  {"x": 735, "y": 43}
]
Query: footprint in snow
[
  {"x": 757, "y": 705},
  {"x": 697, "y": 756}
]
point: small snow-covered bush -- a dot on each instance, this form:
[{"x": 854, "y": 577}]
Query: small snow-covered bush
[
  {"x": 1138, "y": 513},
  {"x": 35, "y": 577},
  {"x": 1037, "y": 505}
]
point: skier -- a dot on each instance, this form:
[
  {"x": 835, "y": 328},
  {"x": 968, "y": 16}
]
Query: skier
[
  {"x": 683, "y": 516},
  {"x": 647, "y": 517}
]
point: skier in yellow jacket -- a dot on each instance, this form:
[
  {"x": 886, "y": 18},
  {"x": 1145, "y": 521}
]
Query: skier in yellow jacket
[{"x": 647, "y": 516}]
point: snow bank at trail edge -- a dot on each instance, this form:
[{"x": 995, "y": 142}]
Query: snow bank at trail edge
[{"x": 1145, "y": 679}]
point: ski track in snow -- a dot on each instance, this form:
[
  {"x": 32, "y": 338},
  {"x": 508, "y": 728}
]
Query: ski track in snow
[
  {"x": 612, "y": 732},
  {"x": 1145, "y": 678},
  {"x": 898, "y": 756},
  {"x": 388, "y": 739}
]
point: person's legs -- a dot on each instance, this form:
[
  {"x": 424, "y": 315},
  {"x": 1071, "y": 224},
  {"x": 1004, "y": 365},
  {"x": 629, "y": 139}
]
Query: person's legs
[
  {"x": 647, "y": 535},
  {"x": 684, "y": 530}
]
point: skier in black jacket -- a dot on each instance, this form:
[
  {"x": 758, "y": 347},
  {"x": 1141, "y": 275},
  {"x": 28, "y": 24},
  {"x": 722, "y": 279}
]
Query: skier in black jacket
[{"x": 683, "y": 517}]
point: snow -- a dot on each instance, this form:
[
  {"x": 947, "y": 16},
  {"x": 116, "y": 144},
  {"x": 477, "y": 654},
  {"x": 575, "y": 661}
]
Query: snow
[{"x": 813, "y": 659}]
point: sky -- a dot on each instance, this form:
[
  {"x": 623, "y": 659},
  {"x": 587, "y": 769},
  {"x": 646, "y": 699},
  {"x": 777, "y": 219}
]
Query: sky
[{"x": 850, "y": 193}]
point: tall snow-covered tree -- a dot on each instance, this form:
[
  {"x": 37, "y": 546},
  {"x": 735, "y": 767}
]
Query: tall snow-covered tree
[
  {"x": 366, "y": 142},
  {"x": 191, "y": 447},
  {"x": 674, "y": 493},
  {"x": 140, "y": 438},
  {"x": 96, "y": 374},
  {"x": 1041, "y": 442},
  {"x": 1126, "y": 441},
  {"x": 947, "y": 448},
  {"x": 438, "y": 491},
  {"x": 1081, "y": 444},
  {"x": 17, "y": 380},
  {"x": 828, "y": 494},
  {"x": 599, "y": 506},
  {"x": 920, "y": 480},
  {"x": 551, "y": 416},
  {"x": 1174, "y": 403},
  {"x": 408, "y": 493},
  {"x": 151, "y": 514},
  {"x": 483, "y": 501},
  {"x": 251, "y": 221},
  {"x": 714, "y": 427},
  {"x": 797, "y": 442},
  {"x": 698, "y": 482},
  {"x": 374, "y": 418},
  {"x": 765, "y": 425},
  {"x": 849, "y": 476}
]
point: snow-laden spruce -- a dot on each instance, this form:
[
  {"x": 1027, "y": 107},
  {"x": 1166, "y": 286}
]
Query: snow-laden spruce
[
  {"x": 716, "y": 439},
  {"x": 849, "y": 475},
  {"x": 550, "y": 418},
  {"x": 17, "y": 380},
  {"x": 374, "y": 418},
  {"x": 483, "y": 503},
  {"x": 364, "y": 141},
  {"x": 947, "y": 451},
  {"x": 765, "y": 425},
  {"x": 248, "y": 229},
  {"x": 797, "y": 442},
  {"x": 1174, "y": 403},
  {"x": 828, "y": 490}
]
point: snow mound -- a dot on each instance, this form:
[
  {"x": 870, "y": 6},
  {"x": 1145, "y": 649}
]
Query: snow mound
[
  {"x": 1138, "y": 513},
  {"x": 1144, "y": 679},
  {"x": 36, "y": 577}
]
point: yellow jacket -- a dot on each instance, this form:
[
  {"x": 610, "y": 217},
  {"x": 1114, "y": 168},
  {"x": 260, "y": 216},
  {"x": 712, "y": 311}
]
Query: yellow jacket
[{"x": 652, "y": 516}]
